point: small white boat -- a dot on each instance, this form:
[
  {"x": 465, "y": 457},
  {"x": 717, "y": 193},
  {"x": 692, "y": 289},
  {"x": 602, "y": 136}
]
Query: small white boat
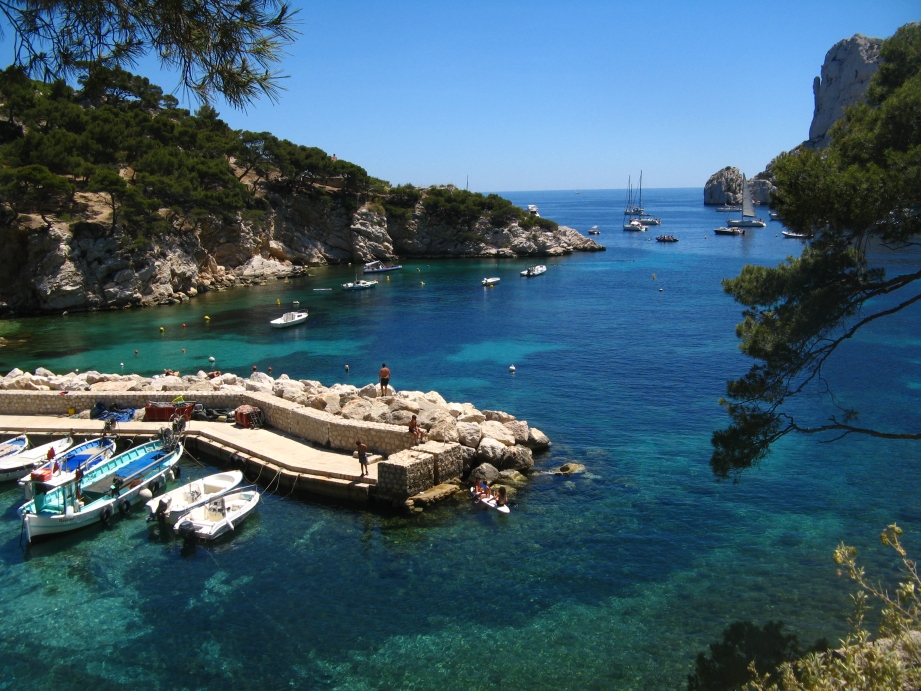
[
  {"x": 728, "y": 208},
  {"x": 211, "y": 520},
  {"x": 289, "y": 319},
  {"x": 532, "y": 210},
  {"x": 634, "y": 225},
  {"x": 775, "y": 216},
  {"x": 322, "y": 290},
  {"x": 170, "y": 507},
  {"x": 534, "y": 271},
  {"x": 377, "y": 267},
  {"x": 648, "y": 220},
  {"x": 729, "y": 231},
  {"x": 594, "y": 231},
  {"x": 359, "y": 285},
  {"x": 490, "y": 281},
  {"x": 16, "y": 465},
  {"x": 796, "y": 236}
]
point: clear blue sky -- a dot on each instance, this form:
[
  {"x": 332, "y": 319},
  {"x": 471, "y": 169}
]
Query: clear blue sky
[{"x": 556, "y": 95}]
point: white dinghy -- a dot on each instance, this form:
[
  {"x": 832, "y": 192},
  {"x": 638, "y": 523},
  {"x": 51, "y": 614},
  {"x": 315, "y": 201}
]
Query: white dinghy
[
  {"x": 210, "y": 521},
  {"x": 170, "y": 507},
  {"x": 17, "y": 465},
  {"x": 289, "y": 319},
  {"x": 14, "y": 446}
]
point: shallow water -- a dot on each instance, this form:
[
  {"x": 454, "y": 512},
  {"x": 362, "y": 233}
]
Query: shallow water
[{"x": 614, "y": 578}]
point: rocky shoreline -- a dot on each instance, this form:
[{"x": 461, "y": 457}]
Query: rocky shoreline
[{"x": 494, "y": 445}]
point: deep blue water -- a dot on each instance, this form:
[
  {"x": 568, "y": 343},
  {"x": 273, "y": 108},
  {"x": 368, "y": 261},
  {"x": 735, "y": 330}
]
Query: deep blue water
[{"x": 614, "y": 578}]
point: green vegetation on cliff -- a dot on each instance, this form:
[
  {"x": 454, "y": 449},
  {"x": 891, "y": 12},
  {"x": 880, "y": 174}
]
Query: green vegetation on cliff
[{"x": 160, "y": 168}]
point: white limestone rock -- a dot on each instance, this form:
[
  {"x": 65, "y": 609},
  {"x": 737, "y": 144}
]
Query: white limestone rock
[
  {"x": 42, "y": 372},
  {"x": 498, "y": 415},
  {"x": 13, "y": 373},
  {"x": 518, "y": 428},
  {"x": 436, "y": 398},
  {"x": 379, "y": 413},
  {"x": 468, "y": 434},
  {"x": 456, "y": 409},
  {"x": 171, "y": 384},
  {"x": 490, "y": 451},
  {"x": 517, "y": 458},
  {"x": 368, "y": 391},
  {"x": 357, "y": 409},
  {"x": 724, "y": 187},
  {"x": 400, "y": 417},
  {"x": 445, "y": 429},
  {"x": 406, "y": 404},
  {"x": 844, "y": 80},
  {"x": 537, "y": 440},
  {"x": 430, "y": 416},
  {"x": 492, "y": 429}
]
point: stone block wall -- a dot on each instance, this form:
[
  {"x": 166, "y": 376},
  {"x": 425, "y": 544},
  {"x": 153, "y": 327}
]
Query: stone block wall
[
  {"x": 447, "y": 457},
  {"x": 54, "y": 403},
  {"x": 404, "y": 474}
]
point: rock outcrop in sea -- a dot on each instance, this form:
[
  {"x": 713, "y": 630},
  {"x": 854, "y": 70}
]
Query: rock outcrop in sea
[{"x": 845, "y": 78}]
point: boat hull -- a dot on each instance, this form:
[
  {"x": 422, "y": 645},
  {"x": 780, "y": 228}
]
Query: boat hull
[
  {"x": 729, "y": 231},
  {"x": 383, "y": 269},
  {"x": 205, "y": 524},
  {"x": 183, "y": 499},
  {"x": 41, "y": 526},
  {"x": 19, "y": 465},
  {"x": 279, "y": 324},
  {"x": 746, "y": 223}
]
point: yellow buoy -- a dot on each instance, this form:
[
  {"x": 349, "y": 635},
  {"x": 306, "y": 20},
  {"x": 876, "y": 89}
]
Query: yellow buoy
[
  {"x": 161, "y": 329},
  {"x": 278, "y": 302},
  {"x": 421, "y": 283},
  {"x": 207, "y": 318},
  {"x": 653, "y": 277}
]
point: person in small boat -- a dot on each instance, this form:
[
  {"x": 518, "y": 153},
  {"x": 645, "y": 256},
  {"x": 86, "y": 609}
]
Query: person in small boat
[
  {"x": 417, "y": 432},
  {"x": 501, "y": 496},
  {"x": 362, "y": 456}
]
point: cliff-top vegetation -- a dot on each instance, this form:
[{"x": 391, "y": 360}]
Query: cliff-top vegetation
[{"x": 163, "y": 169}]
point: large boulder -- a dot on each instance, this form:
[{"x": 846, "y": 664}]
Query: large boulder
[
  {"x": 400, "y": 403},
  {"x": 262, "y": 378},
  {"x": 468, "y": 434},
  {"x": 368, "y": 391},
  {"x": 42, "y": 372},
  {"x": 431, "y": 416},
  {"x": 379, "y": 413},
  {"x": 490, "y": 451},
  {"x": 444, "y": 430},
  {"x": 484, "y": 471},
  {"x": 469, "y": 459},
  {"x": 498, "y": 415},
  {"x": 400, "y": 417},
  {"x": 537, "y": 440},
  {"x": 517, "y": 458},
  {"x": 519, "y": 429},
  {"x": 436, "y": 398},
  {"x": 724, "y": 187},
  {"x": 357, "y": 409},
  {"x": 13, "y": 373},
  {"x": 169, "y": 384},
  {"x": 498, "y": 431},
  {"x": 456, "y": 409},
  {"x": 288, "y": 389}
]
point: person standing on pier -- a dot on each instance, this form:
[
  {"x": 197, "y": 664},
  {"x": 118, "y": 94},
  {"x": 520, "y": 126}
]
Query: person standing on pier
[
  {"x": 362, "y": 456},
  {"x": 385, "y": 378}
]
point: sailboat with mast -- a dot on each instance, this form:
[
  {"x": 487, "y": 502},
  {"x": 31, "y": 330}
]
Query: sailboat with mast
[
  {"x": 632, "y": 211},
  {"x": 644, "y": 218},
  {"x": 749, "y": 219}
]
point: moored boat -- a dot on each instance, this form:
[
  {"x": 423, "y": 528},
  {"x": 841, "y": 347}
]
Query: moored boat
[
  {"x": 289, "y": 319},
  {"x": 13, "y": 466},
  {"x": 795, "y": 235},
  {"x": 728, "y": 208},
  {"x": 173, "y": 505},
  {"x": 749, "y": 218},
  {"x": 377, "y": 267},
  {"x": 634, "y": 225},
  {"x": 594, "y": 231},
  {"x": 86, "y": 455},
  {"x": 666, "y": 238},
  {"x": 534, "y": 271},
  {"x": 490, "y": 281},
  {"x": 359, "y": 285},
  {"x": 217, "y": 517},
  {"x": 14, "y": 446},
  {"x": 68, "y": 501},
  {"x": 729, "y": 231}
]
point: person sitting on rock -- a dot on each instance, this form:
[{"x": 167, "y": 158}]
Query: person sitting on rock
[
  {"x": 417, "y": 432},
  {"x": 501, "y": 496},
  {"x": 213, "y": 375}
]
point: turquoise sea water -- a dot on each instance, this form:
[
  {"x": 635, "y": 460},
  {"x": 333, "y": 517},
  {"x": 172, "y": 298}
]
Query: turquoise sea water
[{"x": 614, "y": 578}]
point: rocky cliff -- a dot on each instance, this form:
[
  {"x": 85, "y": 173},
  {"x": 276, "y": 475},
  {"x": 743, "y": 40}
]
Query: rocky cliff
[
  {"x": 844, "y": 81},
  {"x": 845, "y": 78},
  {"x": 51, "y": 264}
]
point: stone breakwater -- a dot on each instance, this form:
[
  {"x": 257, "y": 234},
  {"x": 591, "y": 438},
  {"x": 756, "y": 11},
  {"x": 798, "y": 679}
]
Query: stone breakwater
[{"x": 462, "y": 441}]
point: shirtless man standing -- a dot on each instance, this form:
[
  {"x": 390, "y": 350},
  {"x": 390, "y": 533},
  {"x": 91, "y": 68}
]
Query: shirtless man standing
[{"x": 385, "y": 378}]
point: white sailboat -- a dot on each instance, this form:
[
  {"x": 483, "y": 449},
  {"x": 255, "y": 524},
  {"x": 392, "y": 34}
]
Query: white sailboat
[
  {"x": 632, "y": 211},
  {"x": 749, "y": 219}
]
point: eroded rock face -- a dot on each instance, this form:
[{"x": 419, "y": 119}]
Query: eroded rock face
[
  {"x": 490, "y": 451},
  {"x": 484, "y": 471},
  {"x": 724, "y": 187},
  {"x": 517, "y": 458},
  {"x": 844, "y": 80}
]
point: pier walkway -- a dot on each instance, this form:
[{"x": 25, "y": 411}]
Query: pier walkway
[{"x": 268, "y": 454}]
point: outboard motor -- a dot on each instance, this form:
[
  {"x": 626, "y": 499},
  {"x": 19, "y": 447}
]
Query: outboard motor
[
  {"x": 187, "y": 531},
  {"x": 162, "y": 509}
]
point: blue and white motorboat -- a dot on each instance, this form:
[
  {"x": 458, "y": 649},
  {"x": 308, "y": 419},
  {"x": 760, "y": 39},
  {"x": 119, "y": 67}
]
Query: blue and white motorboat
[
  {"x": 534, "y": 271},
  {"x": 86, "y": 455},
  {"x": 210, "y": 521},
  {"x": 359, "y": 285},
  {"x": 68, "y": 501}
]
